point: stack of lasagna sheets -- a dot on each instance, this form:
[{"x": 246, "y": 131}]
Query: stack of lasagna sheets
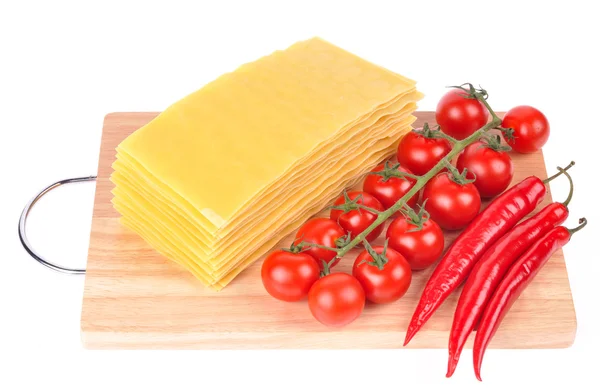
[{"x": 217, "y": 179}]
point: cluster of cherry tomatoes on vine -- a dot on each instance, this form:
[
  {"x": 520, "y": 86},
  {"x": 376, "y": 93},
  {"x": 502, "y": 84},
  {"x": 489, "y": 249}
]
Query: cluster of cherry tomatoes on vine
[{"x": 414, "y": 239}]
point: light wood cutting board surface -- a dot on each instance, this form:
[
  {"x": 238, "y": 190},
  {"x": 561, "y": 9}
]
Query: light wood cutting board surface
[{"x": 135, "y": 298}]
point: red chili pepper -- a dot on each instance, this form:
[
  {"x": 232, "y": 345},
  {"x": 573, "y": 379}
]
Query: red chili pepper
[
  {"x": 512, "y": 285},
  {"x": 490, "y": 269},
  {"x": 491, "y": 224}
]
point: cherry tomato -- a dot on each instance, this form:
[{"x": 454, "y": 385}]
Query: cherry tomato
[
  {"x": 493, "y": 170},
  {"x": 419, "y": 153},
  {"x": 531, "y": 128},
  {"x": 459, "y": 116},
  {"x": 289, "y": 276},
  {"x": 336, "y": 299},
  {"x": 355, "y": 221},
  {"x": 389, "y": 191},
  {"x": 322, "y": 231},
  {"x": 383, "y": 285},
  {"x": 451, "y": 204},
  {"x": 421, "y": 248}
]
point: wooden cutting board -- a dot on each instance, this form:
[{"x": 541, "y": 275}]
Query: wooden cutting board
[{"x": 134, "y": 298}]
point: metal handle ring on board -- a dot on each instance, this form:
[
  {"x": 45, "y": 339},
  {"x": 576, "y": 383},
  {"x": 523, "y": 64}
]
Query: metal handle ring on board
[{"x": 23, "y": 224}]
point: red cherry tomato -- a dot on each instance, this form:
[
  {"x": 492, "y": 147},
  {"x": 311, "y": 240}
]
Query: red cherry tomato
[
  {"x": 419, "y": 153},
  {"x": 355, "y": 221},
  {"x": 531, "y": 128},
  {"x": 389, "y": 191},
  {"x": 322, "y": 231},
  {"x": 493, "y": 170},
  {"x": 421, "y": 248},
  {"x": 383, "y": 285},
  {"x": 336, "y": 299},
  {"x": 289, "y": 276},
  {"x": 451, "y": 204},
  {"x": 459, "y": 116}
]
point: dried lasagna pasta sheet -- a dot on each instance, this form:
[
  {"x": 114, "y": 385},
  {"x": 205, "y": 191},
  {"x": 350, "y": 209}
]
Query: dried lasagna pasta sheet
[
  {"x": 253, "y": 124},
  {"x": 172, "y": 196},
  {"x": 294, "y": 188},
  {"x": 218, "y": 178},
  {"x": 241, "y": 248},
  {"x": 163, "y": 235},
  {"x": 401, "y": 107}
]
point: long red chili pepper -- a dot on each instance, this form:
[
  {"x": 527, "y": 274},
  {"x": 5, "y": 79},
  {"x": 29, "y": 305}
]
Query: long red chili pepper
[
  {"x": 491, "y": 224},
  {"x": 492, "y": 266},
  {"x": 512, "y": 285}
]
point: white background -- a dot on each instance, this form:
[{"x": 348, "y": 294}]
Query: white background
[{"x": 64, "y": 66}]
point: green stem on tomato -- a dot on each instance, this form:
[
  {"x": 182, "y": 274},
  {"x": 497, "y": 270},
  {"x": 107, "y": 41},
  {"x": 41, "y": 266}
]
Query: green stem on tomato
[
  {"x": 494, "y": 142},
  {"x": 379, "y": 260},
  {"x": 353, "y": 204},
  {"x": 313, "y": 245},
  {"x": 508, "y": 133},
  {"x": 326, "y": 267},
  {"x": 391, "y": 171},
  {"x": 368, "y": 209},
  {"x": 407, "y": 175},
  {"x": 495, "y": 119},
  {"x": 429, "y": 133},
  {"x": 441, "y": 135},
  {"x": 414, "y": 218},
  {"x": 457, "y": 176}
]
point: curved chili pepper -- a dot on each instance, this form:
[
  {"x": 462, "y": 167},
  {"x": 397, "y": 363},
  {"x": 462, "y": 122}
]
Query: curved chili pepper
[
  {"x": 454, "y": 267},
  {"x": 512, "y": 285},
  {"x": 490, "y": 269},
  {"x": 500, "y": 216},
  {"x": 492, "y": 266}
]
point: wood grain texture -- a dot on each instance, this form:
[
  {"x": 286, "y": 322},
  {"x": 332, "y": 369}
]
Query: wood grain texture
[{"x": 134, "y": 298}]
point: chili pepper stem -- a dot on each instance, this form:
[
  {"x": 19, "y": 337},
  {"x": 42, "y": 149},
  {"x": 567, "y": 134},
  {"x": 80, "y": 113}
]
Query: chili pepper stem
[
  {"x": 582, "y": 224},
  {"x": 570, "y": 196},
  {"x": 559, "y": 173}
]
